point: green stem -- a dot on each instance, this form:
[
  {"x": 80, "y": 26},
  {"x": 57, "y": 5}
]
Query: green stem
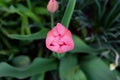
[
  {"x": 6, "y": 42},
  {"x": 57, "y": 55},
  {"x": 29, "y": 4},
  {"x": 25, "y": 25},
  {"x": 68, "y": 13},
  {"x": 52, "y": 20},
  {"x": 3, "y": 31},
  {"x": 22, "y": 30},
  {"x": 28, "y": 30},
  {"x": 40, "y": 52}
]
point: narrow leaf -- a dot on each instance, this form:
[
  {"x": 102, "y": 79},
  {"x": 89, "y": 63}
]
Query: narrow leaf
[
  {"x": 28, "y": 13},
  {"x": 38, "y": 35},
  {"x": 112, "y": 12},
  {"x": 68, "y": 13}
]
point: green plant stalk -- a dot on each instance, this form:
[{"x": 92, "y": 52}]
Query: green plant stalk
[
  {"x": 29, "y": 4},
  {"x": 6, "y": 42},
  {"x": 25, "y": 25},
  {"x": 4, "y": 39},
  {"x": 68, "y": 13},
  {"x": 40, "y": 52},
  {"x": 22, "y": 30},
  {"x": 3, "y": 31},
  {"x": 52, "y": 19},
  {"x": 22, "y": 25},
  {"x": 28, "y": 30},
  {"x": 58, "y": 55}
]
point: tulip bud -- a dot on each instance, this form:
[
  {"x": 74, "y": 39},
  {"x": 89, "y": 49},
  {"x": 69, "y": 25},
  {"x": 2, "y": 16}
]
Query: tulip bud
[
  {"x": 52, "y": 6},
  {"x": 59, "y": 39}
]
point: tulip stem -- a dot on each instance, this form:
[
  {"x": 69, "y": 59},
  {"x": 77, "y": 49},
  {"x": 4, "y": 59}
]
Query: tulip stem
[
  {"x": 52, "y": 20},
  {"x": 57, "y": 55}
]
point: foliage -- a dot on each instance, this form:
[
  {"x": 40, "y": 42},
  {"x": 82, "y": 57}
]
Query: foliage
[{"x": 95, "y": 25}]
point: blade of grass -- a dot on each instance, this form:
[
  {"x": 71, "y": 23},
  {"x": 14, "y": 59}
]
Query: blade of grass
[{"x": 111, "y": 13}]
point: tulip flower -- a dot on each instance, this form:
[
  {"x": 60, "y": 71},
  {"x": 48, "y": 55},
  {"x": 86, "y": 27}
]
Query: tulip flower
[
  {"x": 59, "y": 39},
  {"x": 52, "y": 6}
]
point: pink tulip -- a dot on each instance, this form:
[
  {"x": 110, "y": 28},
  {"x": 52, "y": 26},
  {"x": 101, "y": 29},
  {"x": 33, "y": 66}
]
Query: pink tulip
[
  {"x": 59, "y": 39},
  {"x": 52, "y": 6}
]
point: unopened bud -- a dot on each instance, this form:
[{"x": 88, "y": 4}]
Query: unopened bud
[{"x": 52, "y": 6}]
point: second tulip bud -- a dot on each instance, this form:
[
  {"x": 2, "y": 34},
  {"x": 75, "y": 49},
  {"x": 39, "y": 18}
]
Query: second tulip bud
[{"x": 52, "y": 6}]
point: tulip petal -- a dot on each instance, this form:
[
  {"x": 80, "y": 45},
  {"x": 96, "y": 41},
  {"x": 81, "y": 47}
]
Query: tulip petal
[
  {"x": 54, "y": 48},
  {"x": 49, "y": 38},
  {"x": 66, "y": 48},
  {"x": 68, "y": 39},
  {"x": 61, "y": 29}
]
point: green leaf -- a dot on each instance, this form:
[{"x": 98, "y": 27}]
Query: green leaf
[
  {"x": 81, "y": 47},
  {"x": 38, "y": 35},
  {"x": 39, "y": 65},
  {"x": 68, "y": 13},
  {"x": 38, "y": 77},
  {"x": 113, "y": 14},
  {"x": 28, "y": 13},
  {"x": 104, "y": 7},
  {"x": 11, "y": 9},
  {"x": 21, "y": 61},
  {"x": 101, "y": 7},
  {"x": 4, "y": 3},
  {"x": 79, "y": 75},
  {"x": 41, "y": 11},
  {"x": 96, "y": 69},
  {"x": 67, "y": 67},
  {"x": 118, "y": 77}
]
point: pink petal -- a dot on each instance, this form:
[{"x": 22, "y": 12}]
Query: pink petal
[
  {"x": 55, "y": 32},
  {"x": 67, "y": 38},
  {"x": 66, "y": 48},
  {"x": 60, "y": 51},
  {"x": 61, "y": 29},
  {"x": 49, "y": 38},
  {"x": 54, "y": 48}
]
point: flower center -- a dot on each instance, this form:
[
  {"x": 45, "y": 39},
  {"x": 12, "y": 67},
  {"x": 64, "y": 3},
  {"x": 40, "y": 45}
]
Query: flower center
[
  {"x": 58, "y": 42},
  {"x": 62, "y": 44},
  {"x": 52, "y": 44}
]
